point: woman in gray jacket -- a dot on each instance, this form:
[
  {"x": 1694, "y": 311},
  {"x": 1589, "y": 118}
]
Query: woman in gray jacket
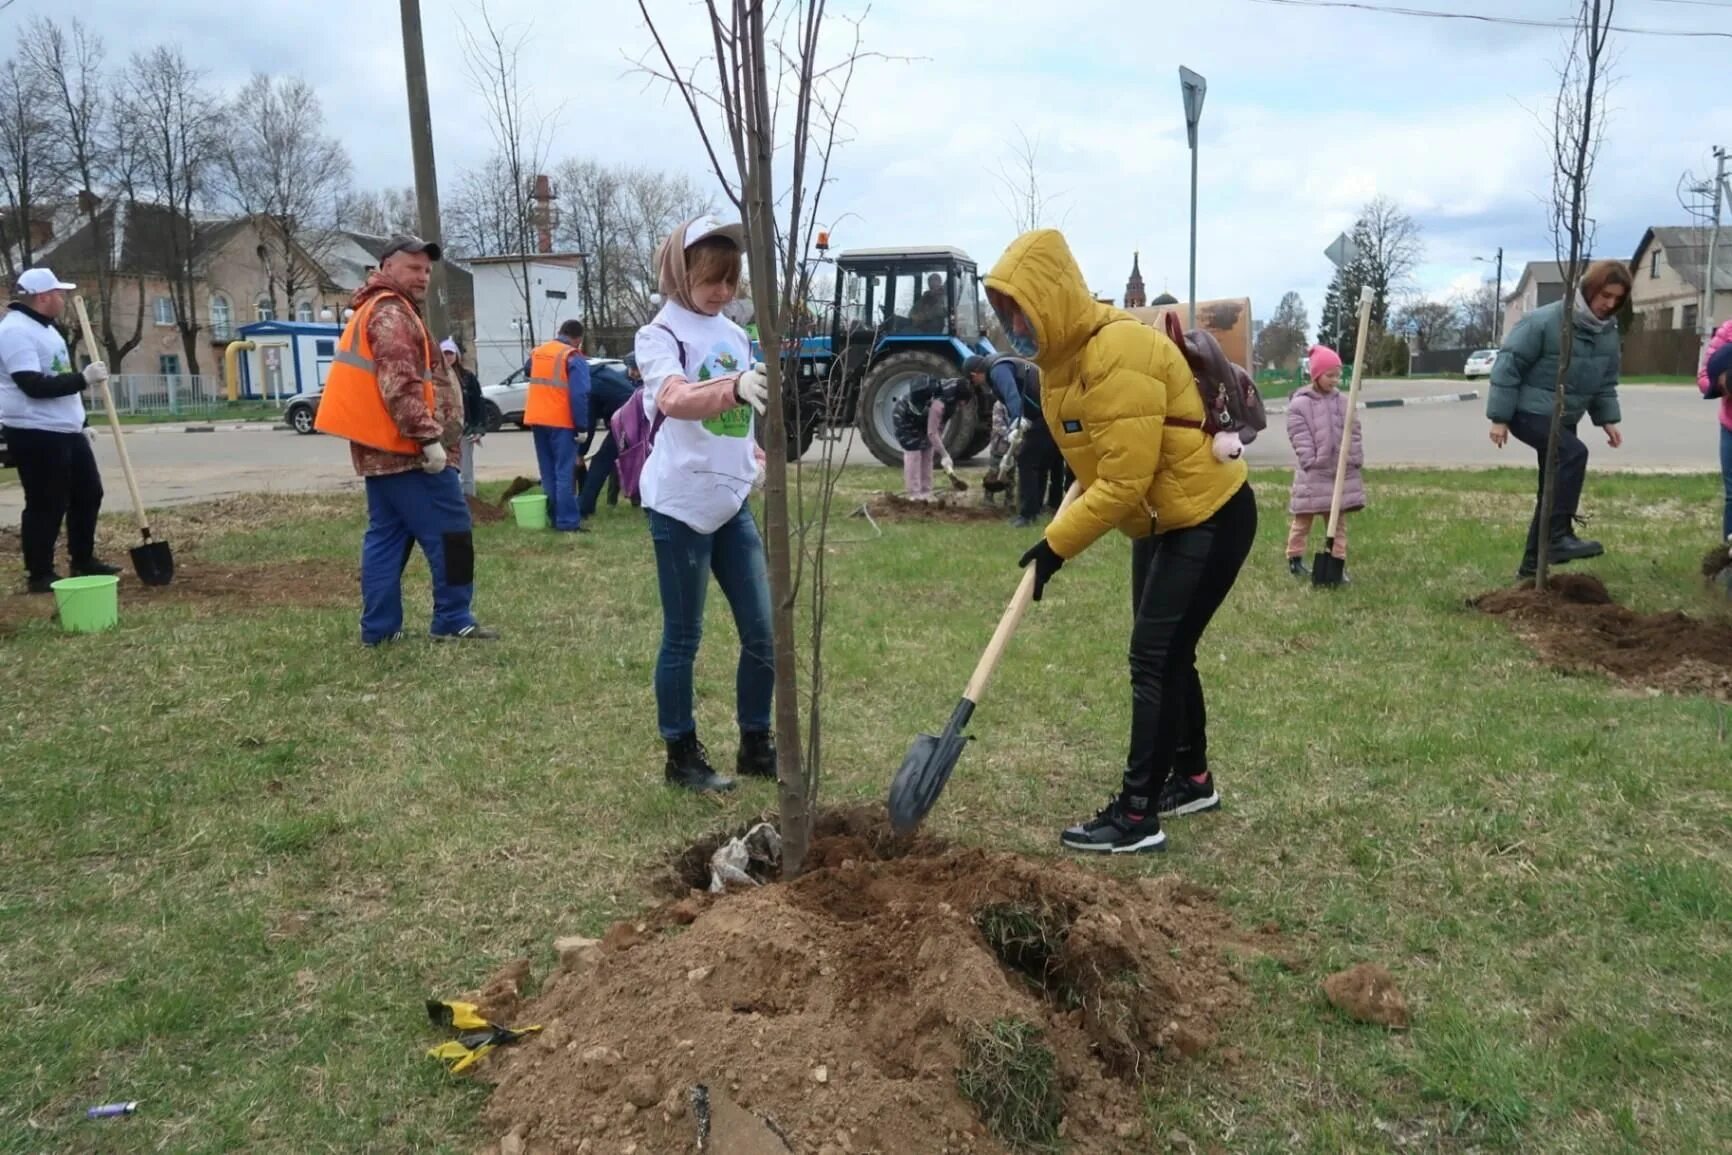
[{"x": 1524, "y": 382}]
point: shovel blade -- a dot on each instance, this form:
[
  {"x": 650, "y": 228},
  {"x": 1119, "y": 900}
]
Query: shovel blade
[
  {"x": 1327, "y": 569},
  {"x": 923, "y": 773},
  {"x": 153, "y": 562}
]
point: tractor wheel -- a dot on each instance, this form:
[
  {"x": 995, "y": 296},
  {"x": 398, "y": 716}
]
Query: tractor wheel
[
  {"x": 983, "y": 401},
  {"x": 888, "y": 382},
  {"x": 799, "y": 440}
]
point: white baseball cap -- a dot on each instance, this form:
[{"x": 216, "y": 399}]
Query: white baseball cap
[
  {"x": 34, "y": 281},
  {"x": 713, "y": 227},
  {"x": 449, "y": 346}
]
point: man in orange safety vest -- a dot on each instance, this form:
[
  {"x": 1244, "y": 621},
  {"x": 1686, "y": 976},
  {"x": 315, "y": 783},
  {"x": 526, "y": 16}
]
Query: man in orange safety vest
[
  {"x": 557, "y": 413},
  {"x": 389, "y": 395}
]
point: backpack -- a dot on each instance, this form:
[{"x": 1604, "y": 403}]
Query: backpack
[
  {"x": 1233, "y": 412},
  {"x": 634, "y": 433}
]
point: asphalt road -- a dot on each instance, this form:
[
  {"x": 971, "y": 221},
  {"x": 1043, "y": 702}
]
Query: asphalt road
[{"x": 1666, "y": 428}]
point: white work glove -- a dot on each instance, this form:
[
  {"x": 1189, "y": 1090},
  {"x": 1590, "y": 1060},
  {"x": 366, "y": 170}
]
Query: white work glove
[
  {"x": 90, "y": 434},
  {"x": 95, "y": 373},
  {"x": 433, "y": 459},
  {"x": 753, "y": 387},
  {"x": 1023, "y": 425},
  {"x": 949, "y": 465}
]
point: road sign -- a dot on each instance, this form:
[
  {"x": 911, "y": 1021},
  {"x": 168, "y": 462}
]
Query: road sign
[{"x": 1342, "y": 252}]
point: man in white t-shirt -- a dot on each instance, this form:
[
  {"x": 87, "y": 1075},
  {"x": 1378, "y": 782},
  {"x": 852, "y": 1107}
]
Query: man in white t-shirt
[{"x": 43, "y": 417}]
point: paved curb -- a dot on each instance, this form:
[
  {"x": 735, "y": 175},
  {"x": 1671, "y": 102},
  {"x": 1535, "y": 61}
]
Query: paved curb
[{"x": 1402, "y": 402}]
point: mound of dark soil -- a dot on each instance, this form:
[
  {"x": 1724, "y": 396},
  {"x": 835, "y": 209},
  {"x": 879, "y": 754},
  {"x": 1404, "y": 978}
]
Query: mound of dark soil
[
  {"x": 841, "y": 1006},
  {"x": 944, "y": 507},
  {"x": 1576, "y": 625}
]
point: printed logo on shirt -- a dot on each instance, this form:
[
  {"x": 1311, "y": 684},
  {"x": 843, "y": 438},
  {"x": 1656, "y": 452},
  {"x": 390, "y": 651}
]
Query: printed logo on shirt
[
  {"x": 60, "y": 365},
  {"x": 736, "y": 422}
]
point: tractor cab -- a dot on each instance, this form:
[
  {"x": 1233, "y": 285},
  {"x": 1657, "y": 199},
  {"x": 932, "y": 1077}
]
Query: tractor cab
[{"x": 901, "y": 315}]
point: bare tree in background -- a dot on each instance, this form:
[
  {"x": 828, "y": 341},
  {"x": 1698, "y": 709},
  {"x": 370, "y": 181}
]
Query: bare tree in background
[
  {"x": 283, "y": 171},
  {"x": 27, "y": 174},
  {"x": 1476, "y": 314},
  {"x": 1390, "y": 249},
  {"x": 735, "y": 97},
  {"x": 94, "y": 156},
  {"x": 1282, "y": 341},
  {"x": 379, "y": 212},
  {"x": 176, "y": 127},
  {"x": 1577, "y": 130},
  {"x": 521, "y": 137},
  {"x": 1434, "y": 324},
  {"x": 1019, "y": 184},
  {"x": 651, "y": 204},
  {"x": 590, "y": 222}
]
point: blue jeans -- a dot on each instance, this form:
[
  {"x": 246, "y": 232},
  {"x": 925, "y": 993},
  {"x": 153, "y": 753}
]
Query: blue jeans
[
  {"x": 405, "y": 510},
  {"x": 1726, "y": 479},
  {"x": 600, "y": 469},
  {"x": 685, "y": 559},
  {"x": 556, "y": 451}
]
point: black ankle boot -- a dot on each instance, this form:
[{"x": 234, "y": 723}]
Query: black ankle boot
[
  {"x": 689, "y": 767},
  {"x": 757, "y": 755}
]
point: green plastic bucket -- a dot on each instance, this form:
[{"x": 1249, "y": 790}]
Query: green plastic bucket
[
  {"x": 88, "y": 605},
  {"x": 530, "y": 510}
]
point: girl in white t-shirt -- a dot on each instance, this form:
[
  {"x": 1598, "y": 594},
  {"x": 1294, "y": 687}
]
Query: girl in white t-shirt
[{"x": 700, "y": 383}]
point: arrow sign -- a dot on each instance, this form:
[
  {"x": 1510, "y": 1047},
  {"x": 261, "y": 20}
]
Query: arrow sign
[{"x": 1342, "y": 252}]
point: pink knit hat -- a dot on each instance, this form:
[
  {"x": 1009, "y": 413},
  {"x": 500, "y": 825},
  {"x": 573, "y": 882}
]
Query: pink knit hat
[{"x": 1324, "y": 361}]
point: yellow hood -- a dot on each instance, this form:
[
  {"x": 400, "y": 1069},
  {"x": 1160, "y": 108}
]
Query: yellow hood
[{"x": 1038, "y": 272}]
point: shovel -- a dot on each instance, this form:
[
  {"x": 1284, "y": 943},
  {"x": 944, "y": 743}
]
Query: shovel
[
  {"x": 152, "y": 560},
  {"x": 1326, "y": 568},
  {"x": 922, "y": 776}
]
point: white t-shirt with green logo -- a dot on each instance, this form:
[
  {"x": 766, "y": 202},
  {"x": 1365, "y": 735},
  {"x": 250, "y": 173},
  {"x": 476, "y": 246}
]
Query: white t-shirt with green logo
[
  {"x": 29, "y": 346},
  {"x": 700, "y": 472}
]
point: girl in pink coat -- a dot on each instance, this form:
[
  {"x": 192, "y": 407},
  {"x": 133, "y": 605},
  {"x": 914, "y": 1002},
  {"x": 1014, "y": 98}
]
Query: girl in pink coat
[{"x": 1316, "y": 415}]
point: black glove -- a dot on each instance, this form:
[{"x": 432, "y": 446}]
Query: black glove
[{"x": 1046, "y": 563}]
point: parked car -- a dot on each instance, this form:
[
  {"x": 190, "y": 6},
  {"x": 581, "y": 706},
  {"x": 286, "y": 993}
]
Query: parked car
[
  {"x": 1479, "y": 363},
  {"x": 506, "y": 401},
  {"x": 303, "y": 409}
]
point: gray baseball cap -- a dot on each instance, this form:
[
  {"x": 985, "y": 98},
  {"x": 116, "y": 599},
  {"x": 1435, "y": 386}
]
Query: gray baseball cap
[{"x": 409, "y": 243}]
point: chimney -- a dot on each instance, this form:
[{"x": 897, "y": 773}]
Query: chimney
[{"x": 543, "y": 214}]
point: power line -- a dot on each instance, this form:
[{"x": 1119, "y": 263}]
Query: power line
[{"x": 1519, "y": 21}]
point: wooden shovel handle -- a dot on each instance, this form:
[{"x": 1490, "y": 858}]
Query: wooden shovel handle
[
  {"x": 113, "y": 421},
  {"x": 1365, "y": 301},
  {"x": 1012, "y": 618}
]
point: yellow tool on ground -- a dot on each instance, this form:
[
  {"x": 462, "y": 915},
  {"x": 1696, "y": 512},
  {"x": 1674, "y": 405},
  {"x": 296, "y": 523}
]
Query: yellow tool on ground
[{"x": 478, "y": 1035}]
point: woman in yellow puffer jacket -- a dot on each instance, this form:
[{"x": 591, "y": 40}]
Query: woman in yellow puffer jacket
[{"x": 1126, "y": 413}]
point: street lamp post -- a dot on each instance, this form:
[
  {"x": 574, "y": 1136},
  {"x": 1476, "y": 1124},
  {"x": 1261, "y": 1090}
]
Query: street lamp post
[
  {"x": 1194, "y": 88},
  {"x": 1497, "y": 301}
]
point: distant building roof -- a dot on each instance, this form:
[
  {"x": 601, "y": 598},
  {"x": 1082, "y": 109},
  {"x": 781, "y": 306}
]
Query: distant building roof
[
  {"x": 1169, "y": 299},
  {"x": 1687, "y": 253}
]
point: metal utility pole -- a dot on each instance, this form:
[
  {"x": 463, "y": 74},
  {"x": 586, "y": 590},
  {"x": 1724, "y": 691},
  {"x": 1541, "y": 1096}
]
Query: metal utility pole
[
  {"x": 426, "y": 172},
  {"x": 1705, "y": 317},
  {"x": 1194, "y": 88},
  {"x": 1497, "y": 299}
]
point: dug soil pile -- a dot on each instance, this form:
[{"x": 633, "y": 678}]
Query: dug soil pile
[
  {"x": 945, "y": 507},
  {"x": 850, "y": 1008},
  {"x": 1577, "y": 626}
]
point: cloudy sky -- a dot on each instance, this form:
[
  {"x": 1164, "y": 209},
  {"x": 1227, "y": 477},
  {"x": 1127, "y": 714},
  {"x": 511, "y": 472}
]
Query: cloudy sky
[{"x": 1310, "y": 112}]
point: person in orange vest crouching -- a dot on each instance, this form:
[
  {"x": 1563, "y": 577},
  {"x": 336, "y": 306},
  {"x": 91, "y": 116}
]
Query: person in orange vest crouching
[
  {"x": 557, "y": 412},
  {"x": 390, "y": 397}
]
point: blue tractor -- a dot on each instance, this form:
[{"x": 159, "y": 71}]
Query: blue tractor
[{"x": 900, "y": 316}]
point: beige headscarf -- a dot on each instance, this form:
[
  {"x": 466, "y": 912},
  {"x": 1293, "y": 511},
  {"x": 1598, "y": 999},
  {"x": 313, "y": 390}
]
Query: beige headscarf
[{"x": 671, "y": 273}]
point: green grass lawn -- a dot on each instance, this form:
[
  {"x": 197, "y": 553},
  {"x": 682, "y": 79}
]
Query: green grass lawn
[
  {"x": 239, "y": 851},
  {"x": 237, "y": 411}
]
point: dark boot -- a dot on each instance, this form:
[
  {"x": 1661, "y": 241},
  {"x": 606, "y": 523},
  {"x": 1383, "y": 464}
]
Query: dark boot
[
  {"x": 757, "y": 758},
  {"x": 689, "y": 767},
  {"x": 92, "y": 567},
  {"x": 43, "y": 583},
  {"x": 1567, "y": 547}
]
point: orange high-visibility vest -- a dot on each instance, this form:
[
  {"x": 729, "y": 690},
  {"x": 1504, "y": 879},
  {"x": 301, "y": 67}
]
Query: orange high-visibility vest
[
  {"x": 352, "y": 406},
  {"x": 549, "y": 402}
]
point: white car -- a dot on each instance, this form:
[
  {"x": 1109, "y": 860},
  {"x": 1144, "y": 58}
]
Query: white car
[
  {"x": 1479, "y": 363},
  {"x": 506, "y": 401}
]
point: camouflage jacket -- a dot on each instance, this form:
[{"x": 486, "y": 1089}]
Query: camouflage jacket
[{"x": 403, "y": 359}]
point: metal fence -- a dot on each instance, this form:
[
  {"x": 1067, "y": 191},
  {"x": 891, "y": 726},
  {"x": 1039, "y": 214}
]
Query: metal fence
[{"x": 154, "y": 396}]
